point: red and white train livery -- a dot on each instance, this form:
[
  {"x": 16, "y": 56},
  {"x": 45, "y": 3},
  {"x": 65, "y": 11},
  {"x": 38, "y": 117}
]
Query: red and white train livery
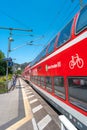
[{"x": 59, "y": 72}]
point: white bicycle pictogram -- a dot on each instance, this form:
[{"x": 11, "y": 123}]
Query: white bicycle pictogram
[{"x": 76, "y": 60}]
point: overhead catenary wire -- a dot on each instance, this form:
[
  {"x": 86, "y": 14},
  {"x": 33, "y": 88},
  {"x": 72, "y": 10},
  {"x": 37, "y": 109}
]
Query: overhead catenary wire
[
  {"x": 56, "y": 17},
  {"x": 16, "y": 29},
  {"x": 23, "y": 35},
  {"x": 19, "y": 22},
  {"x": 59, "y": 13},
  {"x": 14, "y": 19},
  {"x": 64, "y": 21}
]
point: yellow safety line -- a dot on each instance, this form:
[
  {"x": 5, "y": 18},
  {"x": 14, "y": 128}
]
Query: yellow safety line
[{"x": 28, "y": 114}]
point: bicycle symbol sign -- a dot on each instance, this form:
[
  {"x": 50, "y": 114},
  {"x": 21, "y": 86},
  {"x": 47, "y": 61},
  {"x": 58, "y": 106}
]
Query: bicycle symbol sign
[{"x": 76, "y": 61}]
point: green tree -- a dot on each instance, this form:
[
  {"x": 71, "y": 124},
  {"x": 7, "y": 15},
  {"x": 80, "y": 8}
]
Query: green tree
[
  {"x": 2, "y": 64},
  {"x": 1, "y": 55},
  {"x": 18, "y": 72},
  {"x": 3, "y": 67}
]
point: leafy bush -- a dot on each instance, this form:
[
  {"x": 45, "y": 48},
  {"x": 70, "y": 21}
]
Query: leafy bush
[
  {"x": 3, "y": 88},
  {"x": 3, "y": 84}
]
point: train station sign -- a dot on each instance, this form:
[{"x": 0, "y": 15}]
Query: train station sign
[{"x": 10, "y": 63}]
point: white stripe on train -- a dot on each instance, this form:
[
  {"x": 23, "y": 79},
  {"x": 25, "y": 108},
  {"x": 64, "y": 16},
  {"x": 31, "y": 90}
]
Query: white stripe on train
[{"x": 66, "y": 46}]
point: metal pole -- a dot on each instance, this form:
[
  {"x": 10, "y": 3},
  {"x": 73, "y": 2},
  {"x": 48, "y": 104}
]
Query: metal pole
[
  {"x": 9, "y": 48},
  {"x": 7, "y": 61}
]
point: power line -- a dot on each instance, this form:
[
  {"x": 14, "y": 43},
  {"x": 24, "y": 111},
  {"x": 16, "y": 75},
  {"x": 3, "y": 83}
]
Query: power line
[
  {"x": 56, "y": 17},
  {"x": 11, "y": 17},
  {"x": 23, "y": 35},
  {"x": 17, "y": 29},
  {"x": 80, "y": 2},
  {"x": 69, "y": 15}
]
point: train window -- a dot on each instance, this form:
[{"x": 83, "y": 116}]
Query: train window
[
  {"x": 32, "y": 63},
  {"x": 49, "y": 83},
  {"x": 65, "y": 34},
  {"x": 35, "y": 81},
  {"x": 82, "y": 20},
  {"x": 78, "y": 91},
  {"x": 42, "y": 82},
  {"x": 38, "y": 80},
  {"x": 32, "y": 78},
  {"x": 59, "y": 86},
  {"x": 51, "y": 47},
  {"x": 43, "y": 53},
  {"x": 38, "y": 58}
]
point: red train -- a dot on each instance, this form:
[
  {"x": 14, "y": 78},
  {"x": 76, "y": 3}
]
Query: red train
[{"x": 59, "y": 72}]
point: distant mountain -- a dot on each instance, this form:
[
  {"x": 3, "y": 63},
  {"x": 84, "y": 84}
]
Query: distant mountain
[
  {"x": 24, "y": 65},
  {"x": 17, "y": 66}
]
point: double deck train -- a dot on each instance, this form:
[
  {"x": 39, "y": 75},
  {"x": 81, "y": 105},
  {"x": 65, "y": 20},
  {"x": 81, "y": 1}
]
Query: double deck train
[{"x": 59, "y": 72}]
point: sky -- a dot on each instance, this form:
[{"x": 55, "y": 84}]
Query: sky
[{"x": 44, "y": 17}]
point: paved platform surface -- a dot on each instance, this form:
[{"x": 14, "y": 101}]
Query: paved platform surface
[
  {"x": 20, "y": 109},
  {"x": 11, "y": 107}
]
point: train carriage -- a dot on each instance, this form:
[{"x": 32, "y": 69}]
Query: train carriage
[{"x": 59, "y": 72}]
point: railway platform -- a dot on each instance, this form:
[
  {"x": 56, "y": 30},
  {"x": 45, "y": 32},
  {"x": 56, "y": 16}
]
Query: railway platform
[{"x": 23, "y": 109}]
